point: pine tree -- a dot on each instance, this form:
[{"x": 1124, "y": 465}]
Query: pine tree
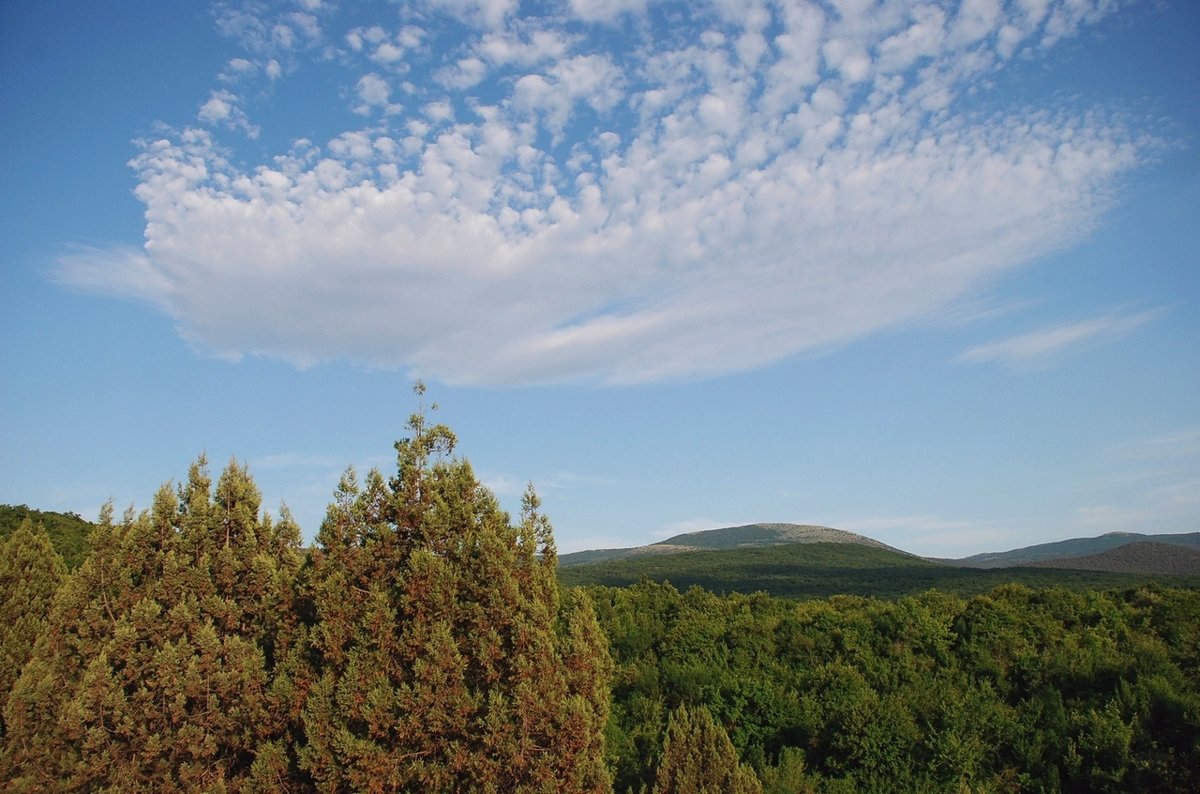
[
  {"x": 157, "y": 672},
  {"x": 31, "y": 572},
  {"x": 698, "y": 758},
  {"x": 445, "y": 658}
]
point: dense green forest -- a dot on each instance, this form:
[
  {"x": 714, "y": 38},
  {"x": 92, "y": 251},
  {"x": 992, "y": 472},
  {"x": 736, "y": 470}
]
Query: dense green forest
[
  {"x": 425, "y": 643},
  {"x": 1014, "y": 690}
]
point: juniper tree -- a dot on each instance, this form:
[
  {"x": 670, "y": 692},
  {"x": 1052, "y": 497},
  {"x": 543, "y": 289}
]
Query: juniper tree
[
  {"x": 445, "y": 658},
  {"x": 157, "y": 672},
  {"x": 698, "y": 758},
  {"x": 31, "y": 572}
]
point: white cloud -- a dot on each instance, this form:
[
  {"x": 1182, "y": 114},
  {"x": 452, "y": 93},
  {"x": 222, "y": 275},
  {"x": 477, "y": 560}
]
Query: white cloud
[
  {"x": 118, "y": 272},
  {"x": 1040, "y": 348},
  {"x": 974, "y": 20},
  {"x": 590, "y": 79},
  {"x": 606, "y": 10},
  {"x": 524, "y": 47},
  {"x": 236, "y": 69},
  {"x": 484, "y": 13},
  {"x": 218, "y": 108},
  {"x": 677, "y": 203},
  {"x": 466, "y": 73},
  {"x": 262, "y": 33},
  {"x": 374, "y": 93}
]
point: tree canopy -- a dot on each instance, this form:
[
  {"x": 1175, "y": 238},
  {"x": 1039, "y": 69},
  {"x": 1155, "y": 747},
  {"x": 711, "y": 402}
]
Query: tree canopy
[
  {"x": 157, "y": 670},
  {"x": 31, "y": 572},
  {"x": 444, "y": 657}
]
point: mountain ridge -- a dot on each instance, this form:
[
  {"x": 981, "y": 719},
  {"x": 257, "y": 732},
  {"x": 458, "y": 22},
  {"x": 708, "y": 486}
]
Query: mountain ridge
[
  {"x": 1140, "y": 556},
  {"x": 768, "y": 534},
  {"x": 744, "y": 536},
  {"x": 1071, "y": 548}
]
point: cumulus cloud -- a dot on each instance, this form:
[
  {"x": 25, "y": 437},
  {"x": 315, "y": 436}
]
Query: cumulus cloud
[
  {"x": 374, "y": 93},
  {"x": 745, "y": 183},
  {"x": 223, "y": 109}
]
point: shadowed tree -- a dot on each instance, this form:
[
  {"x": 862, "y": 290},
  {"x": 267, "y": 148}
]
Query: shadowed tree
[
  {"x": 157, "y": 670},
  {"x": 445, "y": 657}
]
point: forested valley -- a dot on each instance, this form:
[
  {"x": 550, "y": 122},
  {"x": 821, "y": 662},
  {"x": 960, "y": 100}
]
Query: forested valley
[{"x": 425, "y": 644}]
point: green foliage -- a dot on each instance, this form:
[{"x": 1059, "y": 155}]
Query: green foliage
[
  {"x": 157, "y": 670},
  {"x": 443, "y": 657},
  {"x": 1015, "y": 689},
  {"x": 68, "y": 532},
  {"x": 822, "y": 570},
  {"x": 30, "y": 574},
  {"x": 425, "y": 644},
  {"x": 698, "y": 758},
  {"x": 789, "y": 775}
]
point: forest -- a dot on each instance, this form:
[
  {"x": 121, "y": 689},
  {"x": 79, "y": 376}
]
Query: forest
[{"x": 424, "y": 643}]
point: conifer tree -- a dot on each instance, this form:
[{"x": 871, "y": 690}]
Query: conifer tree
[
  {"x": 31, "y": 572},
  {"x": 157, "y": 671},
  {"x": 698, "y": 758},
  {"x": 445, "y": 658}
]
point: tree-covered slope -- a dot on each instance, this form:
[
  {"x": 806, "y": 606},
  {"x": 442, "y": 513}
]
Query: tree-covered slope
[
  {"x": 819, "y": 570},
  {"x": 1143, "y": 557},
  {"x": 68, "y": 532},
  {"x": 1073, "y": 547}
]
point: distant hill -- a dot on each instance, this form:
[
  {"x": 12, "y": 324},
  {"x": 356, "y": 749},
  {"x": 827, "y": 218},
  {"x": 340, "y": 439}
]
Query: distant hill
[
  {"x": 1144, "y": 556},
  {"x": 822, "y": 569},
  {"x": 1075, "y": 547},
  {"x": 68, "y": 532},
  {"x": 805, "y": 569},
  {"x": 741, "y": 537}
]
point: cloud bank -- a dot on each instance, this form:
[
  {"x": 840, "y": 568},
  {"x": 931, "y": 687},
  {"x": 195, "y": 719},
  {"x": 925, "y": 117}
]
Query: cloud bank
[{"x": 613, "y": 191}]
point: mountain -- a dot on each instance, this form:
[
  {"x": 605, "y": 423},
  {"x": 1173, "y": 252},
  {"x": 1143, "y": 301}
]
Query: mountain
[
  {"x": 801, "y": 561},
  {"x": 1075, "y": 547},
  {"x": 822, "y": 569},
  {"x": 741, "y": 537},
  {"x": 806, "y": 569},
  {"x": 1140, "y": 556}
]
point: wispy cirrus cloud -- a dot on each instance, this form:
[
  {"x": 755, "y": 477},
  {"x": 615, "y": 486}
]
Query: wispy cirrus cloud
[
  {"x": 622, "y": 194},
  {"x": 1045, "y": 346},
  {"x": 1179, "y": 444}
]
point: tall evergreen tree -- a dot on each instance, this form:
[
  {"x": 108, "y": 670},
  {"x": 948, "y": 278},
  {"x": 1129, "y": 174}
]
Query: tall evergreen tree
[
  {"x": 157, "y": 672},
  {"x": 31, "y": 572},
  {"x": 698, "y": 758},
  {"x": 445, "y": 658}
]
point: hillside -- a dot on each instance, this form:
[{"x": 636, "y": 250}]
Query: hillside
[
  {"x": 1074, "y": 547},
  {"x": 741, "y": 537},
  {"x": 820, "y": 570},
  {"x": 1142, "y": 557},
  {"x": 68, "y": 532}
]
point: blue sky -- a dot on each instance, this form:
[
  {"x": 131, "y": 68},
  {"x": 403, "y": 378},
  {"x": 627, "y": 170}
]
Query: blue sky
[{"x": 924, "y": 271}]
